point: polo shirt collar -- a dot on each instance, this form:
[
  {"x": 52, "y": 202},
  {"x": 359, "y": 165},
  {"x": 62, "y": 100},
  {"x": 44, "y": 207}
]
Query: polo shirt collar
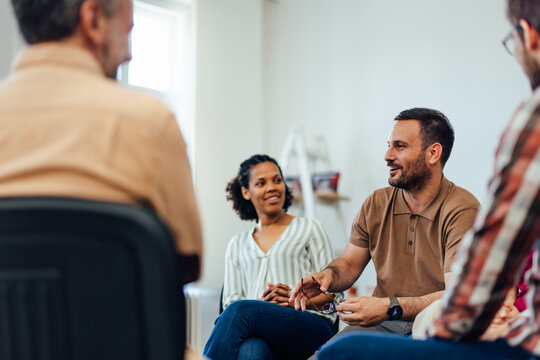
[
  {"x": 431, "y": 210},
  {"x": 58, "y": 53}
]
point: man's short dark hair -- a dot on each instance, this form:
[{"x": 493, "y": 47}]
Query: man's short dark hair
[
  {"x": 528, "y": 10},
  {"x": 52, "y": 20},
  {"x": 434, "y": 128}
]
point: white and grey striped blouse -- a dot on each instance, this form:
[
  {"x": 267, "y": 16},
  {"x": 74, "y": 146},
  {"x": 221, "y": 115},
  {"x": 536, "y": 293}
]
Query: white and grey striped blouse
[{"x": 303, "y": 248}]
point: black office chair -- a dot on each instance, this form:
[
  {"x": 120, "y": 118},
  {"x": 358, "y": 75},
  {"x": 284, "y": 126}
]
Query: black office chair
[{"x": 84, "y": 280}]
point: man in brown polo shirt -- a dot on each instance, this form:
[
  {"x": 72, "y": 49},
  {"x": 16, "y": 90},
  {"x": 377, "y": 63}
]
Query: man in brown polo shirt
[{"x": 410, "y": 230}]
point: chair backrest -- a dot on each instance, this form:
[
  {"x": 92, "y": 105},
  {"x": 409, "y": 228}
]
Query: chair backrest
[
  {"x": 83, "y": 279},
  {"x": 221, "y": 301}
]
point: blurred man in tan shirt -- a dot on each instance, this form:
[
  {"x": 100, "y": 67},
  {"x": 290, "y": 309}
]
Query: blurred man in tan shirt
[{"x": 68, "y": 129}]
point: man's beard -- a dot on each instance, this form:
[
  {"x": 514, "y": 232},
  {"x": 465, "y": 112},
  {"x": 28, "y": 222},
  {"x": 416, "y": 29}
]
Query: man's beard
[
  {"x": 535, "y": 79},
  {"x": 414, "y": 178},
  {"x": 110, "y": 71},
  {"x": 531, "y": 68},
  {"x": 112, "y": 74}
]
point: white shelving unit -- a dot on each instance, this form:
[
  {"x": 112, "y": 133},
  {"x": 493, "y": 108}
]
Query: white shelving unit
[{"x": 294, "y": 146}]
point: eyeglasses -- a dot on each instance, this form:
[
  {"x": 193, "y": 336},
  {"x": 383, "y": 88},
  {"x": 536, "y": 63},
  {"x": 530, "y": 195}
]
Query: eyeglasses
[
  {"x": 509, "y": 41},
  {"x": 328, "y": 308}
]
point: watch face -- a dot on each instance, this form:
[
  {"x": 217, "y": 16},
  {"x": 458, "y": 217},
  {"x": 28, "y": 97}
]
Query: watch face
[{"x": 395, "y": 312}]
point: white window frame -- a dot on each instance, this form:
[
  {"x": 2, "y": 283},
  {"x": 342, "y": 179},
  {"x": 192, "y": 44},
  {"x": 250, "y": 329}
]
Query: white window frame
[{"x": 181, "y": 102}]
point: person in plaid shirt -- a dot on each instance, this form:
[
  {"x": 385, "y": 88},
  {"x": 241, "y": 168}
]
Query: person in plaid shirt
[{"x": 493, "y": 254}]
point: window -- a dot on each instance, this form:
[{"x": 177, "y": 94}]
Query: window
[{"x": 162, "y": 50}]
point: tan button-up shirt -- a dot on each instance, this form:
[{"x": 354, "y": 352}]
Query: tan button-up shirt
[
  {"x": 411, "y": 252},
  {"x": 66, "y": 130}
]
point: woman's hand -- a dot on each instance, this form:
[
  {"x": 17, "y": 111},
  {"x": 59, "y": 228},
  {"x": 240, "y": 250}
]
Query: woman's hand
[
  {"x": 277, "y": 294},
  {"x": 499, "y": 325},
  {"x": 493, "y": 332},
  {"x": 507, "y": 311}
]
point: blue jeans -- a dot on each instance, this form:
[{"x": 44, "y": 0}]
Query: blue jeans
[
  {"x": 391, "y": 346},
  {"x": 253, "y": 329}
]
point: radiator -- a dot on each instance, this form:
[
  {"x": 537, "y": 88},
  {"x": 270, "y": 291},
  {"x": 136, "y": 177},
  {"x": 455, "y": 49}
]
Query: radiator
[{"x": 201, "y": 312}]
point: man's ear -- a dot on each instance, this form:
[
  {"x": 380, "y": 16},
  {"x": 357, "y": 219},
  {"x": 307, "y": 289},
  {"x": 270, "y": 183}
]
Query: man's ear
[
  {"x": 245, "y": 194},
  {"x": 434, "y": 153},
  {"x": 531, "y": 39},
  {"x": 92, "y": 22}
]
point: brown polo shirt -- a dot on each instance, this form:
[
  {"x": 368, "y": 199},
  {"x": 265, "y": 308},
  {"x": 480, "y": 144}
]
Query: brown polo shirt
[{"x": 411, "y": 252}]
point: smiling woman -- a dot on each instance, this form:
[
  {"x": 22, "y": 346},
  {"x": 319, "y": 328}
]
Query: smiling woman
[{"x": 262, "y": 265}]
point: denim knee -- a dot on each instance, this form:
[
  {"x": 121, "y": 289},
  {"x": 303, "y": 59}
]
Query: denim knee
[
  {"x": 255, "y": 349},
  {"x": 237, "y": 310}
]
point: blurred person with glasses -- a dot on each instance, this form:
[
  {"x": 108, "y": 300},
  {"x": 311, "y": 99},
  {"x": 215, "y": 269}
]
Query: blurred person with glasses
[
  {"x": 509, "y": 42},
  {"x": 494, "y": 252},
  {"x": 261, "y": 266},
  {"x": 410, "y": 230}
]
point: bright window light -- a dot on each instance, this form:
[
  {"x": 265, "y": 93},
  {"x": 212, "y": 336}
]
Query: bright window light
[
  {"x": 157, "y": 44},
  {"x": 163, "y": 58}
]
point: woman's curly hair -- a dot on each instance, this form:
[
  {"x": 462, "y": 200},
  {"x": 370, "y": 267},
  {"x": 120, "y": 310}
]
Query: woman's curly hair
[{"x": 244, "y": 208}]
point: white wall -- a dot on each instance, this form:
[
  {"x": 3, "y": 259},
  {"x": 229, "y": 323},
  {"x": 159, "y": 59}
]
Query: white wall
[
  {"x": 343, "y": 69},
  {"x": 228, "y": 115},
  {"x": 10, "y": 41}
]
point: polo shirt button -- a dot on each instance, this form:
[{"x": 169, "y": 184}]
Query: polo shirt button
[
  {"x": 413, "y": 216},
  {"x": 412, "y": 229},
  {"x": 410, "y": 242}
]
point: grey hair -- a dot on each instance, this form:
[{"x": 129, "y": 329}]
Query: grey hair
[{"x": 52, "y": 20}]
